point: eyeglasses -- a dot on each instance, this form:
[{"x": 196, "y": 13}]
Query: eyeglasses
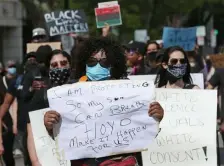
[
  {"x": 63, "y": 63},
  {"x": 93, "y": 62},
  {"x": 174, "y": 61}
]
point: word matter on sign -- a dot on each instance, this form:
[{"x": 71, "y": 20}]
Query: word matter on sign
[
  {"x": 65, "y": 22},
  {"x": 104, "y": 118}
]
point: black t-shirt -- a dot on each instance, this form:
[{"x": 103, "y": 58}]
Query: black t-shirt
[
  {"x": 15, "y": 89},
  {"x": 39, "y": 101},
  {"x": 7, "y": 119},
  {"x": 20, "y": 88},
  {"x": 217, "y": 80}
]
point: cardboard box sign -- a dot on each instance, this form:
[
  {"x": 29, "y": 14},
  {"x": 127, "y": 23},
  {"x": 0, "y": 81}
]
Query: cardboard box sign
[
  {"x": 217, "y": 60},
  {"x": 109, "y": 15},
  {"x": 34, "y": 46},
  {"x": 183, "y": 37},
  {"x": 65, "y": 22}
]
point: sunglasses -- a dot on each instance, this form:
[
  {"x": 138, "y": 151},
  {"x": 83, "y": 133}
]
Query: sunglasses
[
  {"x": 174, "y": 61},
  {"x": 132, "y": 52},
  {"x": 93, "y": 62},
  {"x": 63, "y": 63}
]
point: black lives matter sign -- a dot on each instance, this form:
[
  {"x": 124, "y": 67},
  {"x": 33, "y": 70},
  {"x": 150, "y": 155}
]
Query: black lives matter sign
[{"x": 64, "y": 22}]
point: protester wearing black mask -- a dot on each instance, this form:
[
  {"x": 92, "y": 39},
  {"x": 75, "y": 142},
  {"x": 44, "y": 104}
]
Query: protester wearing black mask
[
  {"x": 152, "y": 46},
  {"x": 151, "y": 63},
  {"x": 29, "y": 61},
  {"x": 175, "y": 70},
  {"x": 58, "y": 63}
]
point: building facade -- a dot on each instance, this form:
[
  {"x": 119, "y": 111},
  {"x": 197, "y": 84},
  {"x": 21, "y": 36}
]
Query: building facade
[{"x": 11, "y": 24}]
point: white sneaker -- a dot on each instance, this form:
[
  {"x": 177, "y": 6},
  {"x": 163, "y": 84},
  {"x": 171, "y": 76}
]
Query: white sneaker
[{"x": 17, "y": 153}]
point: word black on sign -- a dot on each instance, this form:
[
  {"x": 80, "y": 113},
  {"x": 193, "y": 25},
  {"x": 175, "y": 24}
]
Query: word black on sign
[{"x": 64, "y": 22}]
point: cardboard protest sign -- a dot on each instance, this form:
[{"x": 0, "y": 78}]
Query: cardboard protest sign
[
  {"x": 104, "y": 118},
  {"x": 34, "y": 46},
  {"x": 64, "y": 22},
  {"x": 47, "y": 152},
  {"x": 110, "y": 15},
  {"x": 197, "y": 78},
  {"x": 188, "y": 129},
  {"x": 201, "y": 31},
  {"x": 183, "y": 37},
  {"x": 217, "y": 60},
  {"x": 107, "y": 4}
]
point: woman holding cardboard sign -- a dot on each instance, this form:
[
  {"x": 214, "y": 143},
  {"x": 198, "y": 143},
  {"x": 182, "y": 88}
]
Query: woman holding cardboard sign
[
  {"x": 59, "y": 73},
  {"x": 102, "y": 59}
]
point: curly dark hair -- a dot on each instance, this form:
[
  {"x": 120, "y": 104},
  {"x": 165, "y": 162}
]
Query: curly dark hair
[
  {"x": 114, "y": 54},
  {"x": 161, "y": 78}
]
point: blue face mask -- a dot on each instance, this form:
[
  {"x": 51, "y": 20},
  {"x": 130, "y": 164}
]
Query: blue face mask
[
  {"x": 97, "y": 73},
  {"x": 12, "y": 70}
]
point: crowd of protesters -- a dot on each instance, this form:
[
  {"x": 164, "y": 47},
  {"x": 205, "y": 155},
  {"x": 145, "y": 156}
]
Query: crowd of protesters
[{"x": 24, "y": 88}]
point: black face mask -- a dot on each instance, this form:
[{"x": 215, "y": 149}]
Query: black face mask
[
  {"x": 175, "y": 72},
  {"x": 29, "y": 65},
  {"x": 150, "y": 58},
  {"x": 59, "y": 76}
]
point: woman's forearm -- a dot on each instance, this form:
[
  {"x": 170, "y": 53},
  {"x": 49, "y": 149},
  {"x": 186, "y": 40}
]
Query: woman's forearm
[{"x": 14, "y": 113}]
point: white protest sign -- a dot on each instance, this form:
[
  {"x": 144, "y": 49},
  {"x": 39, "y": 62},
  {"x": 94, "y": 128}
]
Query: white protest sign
[
  {"x": 201, "y": 41},
  {"x": 141, "y": 35},
  {"x": 201, "y": 31},
  {"x": 45, "y": 146},
  {"x": 159, "y": 41},
  {"x": 104, "y": 118},
  {"x": 107, "y": 4},
  {"x": 197, "y": 78},
  {"x": 188, "y": 129}
]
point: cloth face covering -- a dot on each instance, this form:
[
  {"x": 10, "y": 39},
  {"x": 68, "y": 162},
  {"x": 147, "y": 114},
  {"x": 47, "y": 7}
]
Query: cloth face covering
[
  {"x": 177, "y": 71},
  {"x": 97, "y": 72},
  {"x": 12, "y": 70},
  {"x": 59, "y": 76}
]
